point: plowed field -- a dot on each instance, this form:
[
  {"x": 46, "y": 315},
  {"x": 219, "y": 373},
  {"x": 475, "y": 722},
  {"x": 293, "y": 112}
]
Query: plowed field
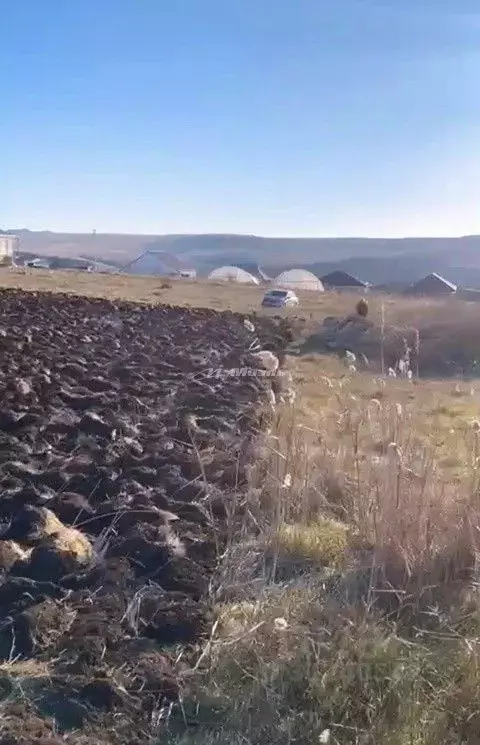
[{"x": 116, "y": 461}]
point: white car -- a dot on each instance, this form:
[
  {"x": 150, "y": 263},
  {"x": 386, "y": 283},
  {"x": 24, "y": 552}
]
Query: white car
[{"x": 279, "y": 299}]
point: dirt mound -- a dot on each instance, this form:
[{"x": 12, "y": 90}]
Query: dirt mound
[
  {"x": 361, "y": 336},
  {"x": 106, "y": 534}
]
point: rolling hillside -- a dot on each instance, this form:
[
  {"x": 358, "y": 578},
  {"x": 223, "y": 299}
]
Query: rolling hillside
[{"x": 375, "y": 260}]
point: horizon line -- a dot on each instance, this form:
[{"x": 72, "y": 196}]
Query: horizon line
[{"x": 248, "y": 235}]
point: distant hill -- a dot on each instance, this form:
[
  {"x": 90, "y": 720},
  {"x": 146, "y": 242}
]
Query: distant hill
[
  {"x": 376, "y": 260},
  {"x": 401, "y": 269}
]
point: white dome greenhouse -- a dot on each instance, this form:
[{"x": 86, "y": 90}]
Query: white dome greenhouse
[
  {"x": 298, "y": 279},
  {"x": 233, "y": 274}
]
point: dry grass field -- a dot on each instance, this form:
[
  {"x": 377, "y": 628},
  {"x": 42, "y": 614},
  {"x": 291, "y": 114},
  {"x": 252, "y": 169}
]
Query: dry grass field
[
  {"x": 353, "y": 616},
  {"x": 346, "y": 600},
  {"x": 448, "y": 327},
  {"x": 226, "y": 296}
]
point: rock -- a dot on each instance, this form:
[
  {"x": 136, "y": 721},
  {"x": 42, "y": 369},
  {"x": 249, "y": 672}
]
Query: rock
[
  {"x": 33, "y": 523},
  {"x": 266, "y": 361},
  {"x": 58, "y": 549},
  {"x": 92, "y": 423},
  {"x": 24, "y": 388},
  {"x": 57, "y": 556},
  {"x": 11, "y": 552}
]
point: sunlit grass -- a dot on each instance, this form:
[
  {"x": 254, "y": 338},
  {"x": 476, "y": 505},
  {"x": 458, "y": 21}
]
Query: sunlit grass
[
  {"x": 323, "y": 541},
  {"x": 382, "y": 488}
]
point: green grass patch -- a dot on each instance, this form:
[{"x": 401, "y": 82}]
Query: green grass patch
[{"x": 323, "y": 541}]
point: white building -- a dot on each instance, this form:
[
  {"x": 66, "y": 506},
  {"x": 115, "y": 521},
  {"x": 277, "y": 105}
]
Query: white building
[
  {"x": 233, "y": 274},
  {"x": 8, "y": 247},
  {"x": 298, "y": 279},
  {"x": 153, "y": 262}
]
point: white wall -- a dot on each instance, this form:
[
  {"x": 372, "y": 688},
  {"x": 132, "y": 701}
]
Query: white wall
[{"x": 8, "y": 244}]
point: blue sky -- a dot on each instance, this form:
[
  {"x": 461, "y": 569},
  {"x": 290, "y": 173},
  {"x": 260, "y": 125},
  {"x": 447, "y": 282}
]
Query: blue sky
[{"x": 274, "y": 117}]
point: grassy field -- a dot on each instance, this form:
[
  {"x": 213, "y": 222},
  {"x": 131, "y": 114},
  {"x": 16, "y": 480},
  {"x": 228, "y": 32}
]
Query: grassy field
[
  {"x": 448, "y": 327},
  {"x": 313, "y": 306},
  {"x": 346, "y": 600},
  {"x": 352, "y": 616}
]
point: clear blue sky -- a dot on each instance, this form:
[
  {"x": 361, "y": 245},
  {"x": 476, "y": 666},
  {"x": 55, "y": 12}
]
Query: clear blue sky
[{"x": 274, "y": 117}]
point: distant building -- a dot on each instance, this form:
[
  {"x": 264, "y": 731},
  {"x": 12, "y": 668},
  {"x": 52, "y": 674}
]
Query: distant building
[
  {"x": 233, "y": 274},
  {"x": 153, "y": 262},
  {"x": 188, "y": 274},
  {"x": 38, "y": 263},
  {"x": 263, "y": 275},
  {"x": 339, "y": 280},
  {"x": 256, "y": 270},
  {"x": 298, "y": 279},
  {"x": 8, "y": 247},
  {"x": 60, "y": 262},
  {"x": 432, "y": 284}
]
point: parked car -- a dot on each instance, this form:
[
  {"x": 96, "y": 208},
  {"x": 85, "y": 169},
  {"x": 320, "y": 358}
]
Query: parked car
[{"x": 279, "y": 299}]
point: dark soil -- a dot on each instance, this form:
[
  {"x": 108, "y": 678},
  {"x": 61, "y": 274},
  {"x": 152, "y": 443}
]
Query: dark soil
[{"x": 104, "y": 412}]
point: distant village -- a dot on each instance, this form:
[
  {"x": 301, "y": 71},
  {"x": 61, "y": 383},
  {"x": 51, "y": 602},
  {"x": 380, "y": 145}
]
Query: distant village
[{"x": 154, "y": 262}]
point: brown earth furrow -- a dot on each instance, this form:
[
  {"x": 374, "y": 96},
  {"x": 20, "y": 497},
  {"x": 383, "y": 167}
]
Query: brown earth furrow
[{"x": 106, "y": 538}]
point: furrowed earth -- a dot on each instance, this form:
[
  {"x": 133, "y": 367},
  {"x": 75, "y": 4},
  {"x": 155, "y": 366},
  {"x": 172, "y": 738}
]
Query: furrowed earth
[{"x": 117, "y": 459}]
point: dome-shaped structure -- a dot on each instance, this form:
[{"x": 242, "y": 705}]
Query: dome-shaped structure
[
  {"x": 233, "y": 274},
  {"x": 153, "y": 262},
  {"x": 298, "y": 279}
]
